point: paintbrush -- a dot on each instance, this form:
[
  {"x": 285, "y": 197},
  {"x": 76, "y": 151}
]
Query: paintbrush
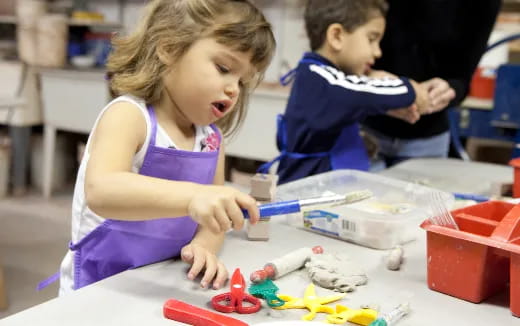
[{"x": 299, "y": 205}]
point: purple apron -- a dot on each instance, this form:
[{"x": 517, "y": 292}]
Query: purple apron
[{"x": 116, "y": 246}]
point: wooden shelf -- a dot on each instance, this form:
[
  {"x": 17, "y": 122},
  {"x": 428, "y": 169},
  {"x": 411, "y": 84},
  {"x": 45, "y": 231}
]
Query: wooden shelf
[
  {"x": 7, "y": 19},
  {"x": 510, "y": 6},
  {"x": 477, "y": 103},
  {"x": 90, "y": 23},
  {"x": 72, "y": 22}
]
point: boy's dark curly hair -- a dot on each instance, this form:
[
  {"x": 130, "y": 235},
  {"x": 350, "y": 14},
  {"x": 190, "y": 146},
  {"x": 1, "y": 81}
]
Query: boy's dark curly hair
[{"x": 320, "y": 14}]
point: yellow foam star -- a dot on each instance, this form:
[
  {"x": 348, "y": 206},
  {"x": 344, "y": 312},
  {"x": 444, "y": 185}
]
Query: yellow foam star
[
  {"x": 357, "y": 316},
  {"x": 311, "y": 302}
]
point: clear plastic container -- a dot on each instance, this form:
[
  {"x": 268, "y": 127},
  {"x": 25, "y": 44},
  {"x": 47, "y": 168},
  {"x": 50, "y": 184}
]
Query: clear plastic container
[{"x": 391, "y": 217}]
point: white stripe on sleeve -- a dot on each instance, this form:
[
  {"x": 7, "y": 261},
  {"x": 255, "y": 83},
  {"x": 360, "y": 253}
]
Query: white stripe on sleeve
[{"x": 385, "y": 86}]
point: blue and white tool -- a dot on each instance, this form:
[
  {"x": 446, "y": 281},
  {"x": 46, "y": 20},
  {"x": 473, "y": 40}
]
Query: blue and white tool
[
  {"x": 475, "y": 197},
  {"x": 299, "y": 205},
  {"x": 391, "y": 318}
]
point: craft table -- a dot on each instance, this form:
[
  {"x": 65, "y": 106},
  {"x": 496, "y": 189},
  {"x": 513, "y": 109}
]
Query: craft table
[
  {"x": 452, "y": 175},
  {"x": 136, "y": 297}
]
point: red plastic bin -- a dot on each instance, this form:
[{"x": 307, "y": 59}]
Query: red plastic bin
[
  {"x": 515, "y": 163},
  {"x": 481, "y": 258}
]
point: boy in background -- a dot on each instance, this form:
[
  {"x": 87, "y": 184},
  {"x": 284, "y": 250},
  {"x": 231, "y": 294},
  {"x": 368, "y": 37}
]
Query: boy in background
[{"x": 332, "y": 90}]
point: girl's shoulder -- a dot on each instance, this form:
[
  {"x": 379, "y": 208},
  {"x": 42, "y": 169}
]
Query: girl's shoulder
[
  {"x": 128, "y": 104},
  {"x": 137, "y": 101},
  {"x": 123, "y": 114}
]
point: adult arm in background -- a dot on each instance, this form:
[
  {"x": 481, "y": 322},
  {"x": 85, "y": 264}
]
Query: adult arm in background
[
  {"x": 443, "y": 43},
  {"x": 465, "y": 58}
]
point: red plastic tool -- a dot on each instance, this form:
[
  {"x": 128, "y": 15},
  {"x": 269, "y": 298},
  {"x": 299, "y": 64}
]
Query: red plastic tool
[
  {"x": 236, "y": 300},
  {"x": 191, "y": 315}
]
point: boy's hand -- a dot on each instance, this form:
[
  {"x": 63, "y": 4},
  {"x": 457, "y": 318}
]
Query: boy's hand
[
  {"x": 200, "y": 259},
  {"x": 422, "y": 99},
  {"x": 409, "y": 114},
  {"x": 219, "y": 208},
  {"x": 440, "y": 93}
]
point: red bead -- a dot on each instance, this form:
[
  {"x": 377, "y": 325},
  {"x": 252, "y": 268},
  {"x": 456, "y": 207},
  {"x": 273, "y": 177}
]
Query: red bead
[
  {"x": 270, "y": 270},
  {"x": 317, "y": 250},
  {"x": 258, "y": 276}
]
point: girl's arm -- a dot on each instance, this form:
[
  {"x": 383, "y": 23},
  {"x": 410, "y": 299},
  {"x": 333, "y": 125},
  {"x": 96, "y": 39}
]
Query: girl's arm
[
  {"x": 202, "y": 251},
  {"x": 112, "y": 190},
  {"x": 213, "y": 241}
]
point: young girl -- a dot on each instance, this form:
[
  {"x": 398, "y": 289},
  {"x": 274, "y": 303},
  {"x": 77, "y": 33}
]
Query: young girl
[{"x": 149, "y": 187}]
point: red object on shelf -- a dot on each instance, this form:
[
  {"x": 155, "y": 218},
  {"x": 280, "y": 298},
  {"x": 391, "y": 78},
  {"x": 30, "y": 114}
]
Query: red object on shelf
[
  {"x": 515, "y": 163},
  {"x": 191, "y": 315},
  {"x": 481, "y": 258},
  {"x": 483, "y": 83}
]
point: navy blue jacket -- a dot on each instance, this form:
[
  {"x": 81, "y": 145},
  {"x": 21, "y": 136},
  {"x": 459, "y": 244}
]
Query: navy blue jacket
[{"x": 323, "y": 101}]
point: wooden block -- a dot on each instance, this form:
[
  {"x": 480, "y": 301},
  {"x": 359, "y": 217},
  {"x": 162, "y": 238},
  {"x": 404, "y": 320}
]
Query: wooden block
[
  {"x": 500, "y": 189},
  {"x": 259, "y": 231},
  {"x": 263, "y": 186},
  {"x": 3, "y": 292},
  {"x": 489, "y": 150}
]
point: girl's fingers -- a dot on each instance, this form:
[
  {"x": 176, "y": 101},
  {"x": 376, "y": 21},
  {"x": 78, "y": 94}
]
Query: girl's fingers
[
  {"x": 213, "y": 225},
  {"x": 222, "y": 276},
  {"x": 198, "y": 264},
  {"x": 187, "y": 254},
  {"x": 235, "y": 214},
  {"x": 222, "y": 219},
  {"x": 206, "y": 219},
  {"x": 247, "y": 202},
  {"x": 211, "y": 270}
]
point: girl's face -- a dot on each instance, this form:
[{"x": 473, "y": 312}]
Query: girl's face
[
  {"x": 204, "y": 84},
  {"x": 361, "y": 47}
]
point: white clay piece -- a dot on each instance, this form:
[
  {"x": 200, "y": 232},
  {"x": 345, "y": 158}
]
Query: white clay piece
[
  {"x": 336, "y": 272},
  {"x": 395, "y": 258}
]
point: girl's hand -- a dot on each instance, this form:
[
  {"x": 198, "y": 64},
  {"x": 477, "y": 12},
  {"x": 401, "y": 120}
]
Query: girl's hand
[
  {"x": 219, "y": 208},
  {"x": 202, "y": 259}
]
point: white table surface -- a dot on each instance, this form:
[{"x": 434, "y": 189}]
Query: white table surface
[
  {"x": 136, "y": 297},
  {"x": 452, "y": 174}
]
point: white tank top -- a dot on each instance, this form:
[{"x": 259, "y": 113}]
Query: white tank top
[{"x": 84, "y": 220}]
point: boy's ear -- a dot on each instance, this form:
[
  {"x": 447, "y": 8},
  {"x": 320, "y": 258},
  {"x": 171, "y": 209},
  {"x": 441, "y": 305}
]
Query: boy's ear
[
  {"x": 163, "y": 55},
  {"x": 335, "y": 35}
]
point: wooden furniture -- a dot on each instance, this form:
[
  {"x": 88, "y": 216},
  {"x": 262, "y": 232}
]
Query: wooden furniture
[
  {"x": 3, "y": 292},
  {"x": 20, "y": 110},
  {"x": 256, "y": 139},
  {"x": 72, "y": 99}
]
